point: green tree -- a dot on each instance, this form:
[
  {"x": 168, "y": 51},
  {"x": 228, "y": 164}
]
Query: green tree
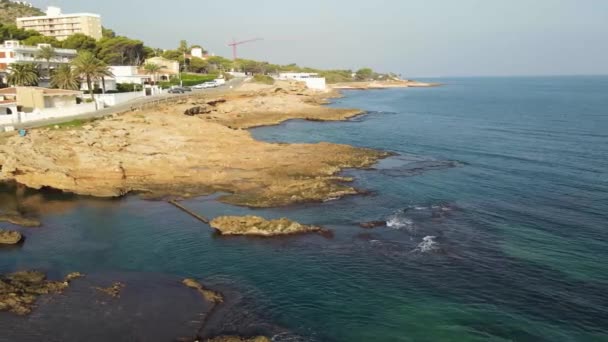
[
  {"x": 153, "y": 69},
  {"x": 198, "y": 65},
  {"x": 46, "y": 53},
  {"x": 121, "y": 51},
  {"x": 364, "y": 74},
  {"x": 64, "y": 77},
  {"x": 218, "y": 63},
  {"x": 90, "y": 68},
  {"x": 107, "y": 33},
  {"x": 183, "y": 47},
  {"x": 35, "y": 40},
  {"x": 25, "y": 74},
  {"x": 80, "y": 42},
  {"x": 173, "y": 55},
  {"x": 11, "y": 32}
]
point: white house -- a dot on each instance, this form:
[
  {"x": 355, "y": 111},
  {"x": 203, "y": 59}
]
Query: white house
[
  {"x": 312, "y": 80},
  {"x": 12, "y": 51},
  {"x": 197, "y": 52},
  {"x": 126, "y": 74}
]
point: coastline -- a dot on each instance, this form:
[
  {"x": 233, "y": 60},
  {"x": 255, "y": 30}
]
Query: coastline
[
  {"x": 197, "y": 146},
  {"x": 368, "y": 85}
]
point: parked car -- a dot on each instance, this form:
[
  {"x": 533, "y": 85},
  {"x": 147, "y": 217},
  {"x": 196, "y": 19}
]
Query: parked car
[{"x": 176, "y": 91}]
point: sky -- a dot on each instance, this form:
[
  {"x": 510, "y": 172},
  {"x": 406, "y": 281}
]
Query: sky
[{"x": 415, "y": 38}]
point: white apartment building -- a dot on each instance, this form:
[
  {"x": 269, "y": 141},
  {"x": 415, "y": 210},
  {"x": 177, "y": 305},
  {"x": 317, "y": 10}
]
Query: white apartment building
[
  {"x": 59, "y": 25},
  {"x": 12, "y": 51}
]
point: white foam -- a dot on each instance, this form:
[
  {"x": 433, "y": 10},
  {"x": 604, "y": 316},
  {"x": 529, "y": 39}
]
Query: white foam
[
  {"x": 428, "y": 244},
  {"x": 399, "y": 222}
]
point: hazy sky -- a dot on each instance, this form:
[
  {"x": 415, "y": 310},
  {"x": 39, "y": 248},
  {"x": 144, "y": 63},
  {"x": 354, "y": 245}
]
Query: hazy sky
[{"x": 412, "y": 37}]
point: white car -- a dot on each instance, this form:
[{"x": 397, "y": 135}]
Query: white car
[{"x": 201, "y": 86}]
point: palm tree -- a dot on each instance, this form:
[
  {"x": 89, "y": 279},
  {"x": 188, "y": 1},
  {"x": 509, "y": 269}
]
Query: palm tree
[
  {"x": 103, "y": 72},
  {"x": 90, "y": 68},
  {"x": 64, "y": 77},
  {"x": 25, "y": 74},
  {"x": 152, "y": 69},
  {"x": 46, "y": 53}
]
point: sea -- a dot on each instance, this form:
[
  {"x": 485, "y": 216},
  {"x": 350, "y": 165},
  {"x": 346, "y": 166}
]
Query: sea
[{"x": 496, "y": 205}]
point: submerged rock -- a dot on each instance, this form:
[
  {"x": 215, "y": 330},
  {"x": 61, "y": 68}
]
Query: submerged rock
[
  {"x": 209, "y": 295},
  {"x": 258, "y": 226},
  {"x": 9, "y": 237},
  {"x": 19, "y": 220},
  {"x": 19, "y": 290},
  {"x": 372, "y": 224},
  {"x": 239, "y": 339},
  {"x": 113, "y": 291}
]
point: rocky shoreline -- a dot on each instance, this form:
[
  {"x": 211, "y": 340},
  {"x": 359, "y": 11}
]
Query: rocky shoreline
[{"x": 163, "y": 152}]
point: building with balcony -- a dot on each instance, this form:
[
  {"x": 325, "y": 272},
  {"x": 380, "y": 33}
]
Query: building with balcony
[
  {"x": 12, "y": 51},
  {"x": 59, "y": 25}
]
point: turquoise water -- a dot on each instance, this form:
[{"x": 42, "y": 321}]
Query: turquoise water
[{"x": 497, "y": 207}]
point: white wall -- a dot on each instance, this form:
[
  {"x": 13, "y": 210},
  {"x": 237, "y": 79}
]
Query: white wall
[
  {"x": 48, "y": 113},
  {"x": 8, "y": 119},
  {"x": 317, "y": 83},
  {"x": 52, "y": 113},
  {"x": 109, "y": 100}
]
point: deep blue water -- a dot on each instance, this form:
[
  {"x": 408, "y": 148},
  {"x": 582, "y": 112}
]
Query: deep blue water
[{"x": 498, "y": 206}]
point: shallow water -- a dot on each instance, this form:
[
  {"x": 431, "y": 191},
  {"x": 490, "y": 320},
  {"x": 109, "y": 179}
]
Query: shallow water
[{"x": 497, "y": 209}]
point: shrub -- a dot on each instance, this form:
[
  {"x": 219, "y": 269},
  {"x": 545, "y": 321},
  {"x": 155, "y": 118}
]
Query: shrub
[{"x": 264, "y": 79}]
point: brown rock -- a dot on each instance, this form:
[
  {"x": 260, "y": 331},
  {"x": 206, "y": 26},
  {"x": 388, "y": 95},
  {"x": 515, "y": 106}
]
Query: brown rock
[
  {"x": 19, "y": 290},
  {"x": 372, "y": 224},
  {"x": 258, "y": 226},
  {"x": 9, "y": 237}
]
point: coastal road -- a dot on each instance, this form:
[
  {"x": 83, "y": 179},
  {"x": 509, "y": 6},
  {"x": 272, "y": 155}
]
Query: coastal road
[{"x": 234, "y": 83}]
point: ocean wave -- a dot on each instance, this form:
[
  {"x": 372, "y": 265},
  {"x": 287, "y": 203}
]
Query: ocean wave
[
  {"x": 428, "y": 244},
  {"x": 399, "y": 222},
  {"x": 410, "y": 165},
  {"x": 363, "y": 116}
]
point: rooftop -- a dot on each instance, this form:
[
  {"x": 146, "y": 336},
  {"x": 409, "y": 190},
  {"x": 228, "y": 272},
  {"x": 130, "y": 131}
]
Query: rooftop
[{"x": 55, "y": 12}]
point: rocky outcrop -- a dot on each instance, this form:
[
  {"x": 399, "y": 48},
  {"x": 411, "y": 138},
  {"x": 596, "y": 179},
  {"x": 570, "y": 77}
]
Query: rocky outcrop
[
  {"x": 204, "y": 107},
  {"x": 258, "y": 226},
  {"x": 372, "y": 224},
  {"x": 19, "y": 291},
  {"x": 9, "y": 237}
]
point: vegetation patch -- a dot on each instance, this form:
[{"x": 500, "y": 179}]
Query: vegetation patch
[
  {"x": 188, "y": 80},
  {"x": 263, "y": 79}
]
